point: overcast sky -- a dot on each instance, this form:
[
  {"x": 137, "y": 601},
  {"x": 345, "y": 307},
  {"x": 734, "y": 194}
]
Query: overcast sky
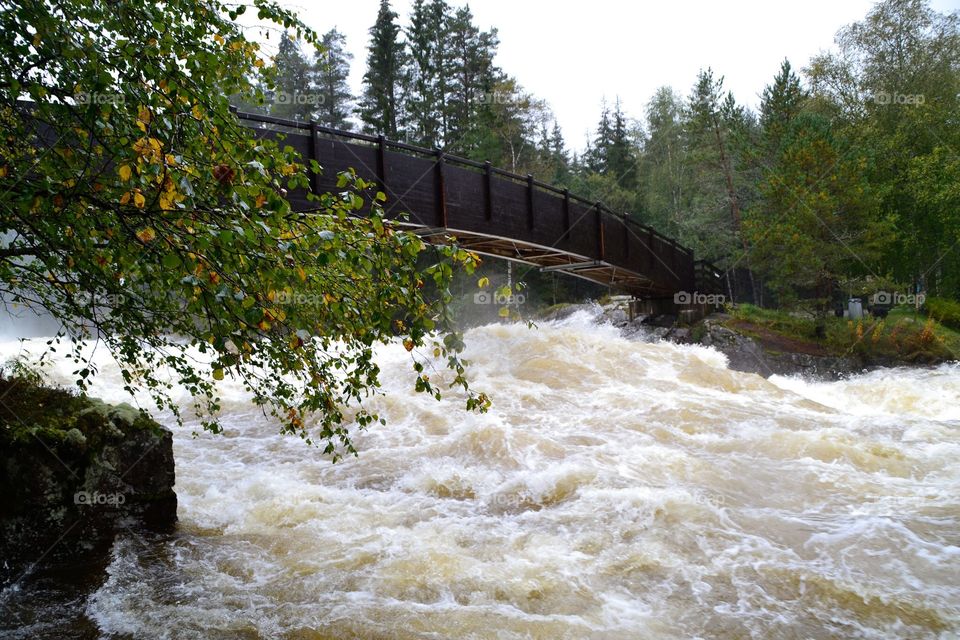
[{"x": 573, "y": 54}]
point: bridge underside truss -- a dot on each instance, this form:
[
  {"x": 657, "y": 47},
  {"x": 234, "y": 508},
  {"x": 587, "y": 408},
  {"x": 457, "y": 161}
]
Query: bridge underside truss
[{"x": 546, "y": 258}]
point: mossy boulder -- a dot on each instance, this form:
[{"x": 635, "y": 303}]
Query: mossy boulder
[{"x": 74, "y": 471}]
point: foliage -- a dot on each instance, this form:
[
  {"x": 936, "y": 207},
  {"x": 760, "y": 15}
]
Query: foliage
[
  {"x": 140, "y": 214},
  {"x": 901, "y": 337},
  {"x": 383, "y": 84},
  {"x": 893, "y": 86},
  {"x": 846, "y": 175},
  {"x": 291, "y": 97},
  {"x": 817, "y": 218},
  {"x": 946, "y": 312},
  {"x": 331, "y": 68}
]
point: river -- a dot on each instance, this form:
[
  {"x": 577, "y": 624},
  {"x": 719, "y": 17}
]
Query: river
[{"x": 616, "y": 489}]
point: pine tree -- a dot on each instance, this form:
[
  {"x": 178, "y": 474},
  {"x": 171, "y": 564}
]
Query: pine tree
[
  {"x": 780, "y": 104},
  {"x": 330, "y": 72},
  {"x": 708, "y": 137},
  {"x": 820, "y": 221},
  {"x": 384, "y": 80}
]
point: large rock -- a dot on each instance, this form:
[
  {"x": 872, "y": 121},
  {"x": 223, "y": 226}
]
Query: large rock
[
  {"x": 746, "y": 353},
  {"x": 73, "y": 473}
]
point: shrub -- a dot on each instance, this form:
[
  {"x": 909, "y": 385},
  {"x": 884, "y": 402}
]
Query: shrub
[{"x": 945, "y": 311}]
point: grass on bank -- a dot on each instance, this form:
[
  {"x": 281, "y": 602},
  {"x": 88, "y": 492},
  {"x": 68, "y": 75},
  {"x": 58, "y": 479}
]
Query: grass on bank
[{"x": 904, "y": 335}]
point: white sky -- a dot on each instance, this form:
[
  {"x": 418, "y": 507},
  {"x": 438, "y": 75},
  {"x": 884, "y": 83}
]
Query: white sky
[{"x": 573, "y": 54}]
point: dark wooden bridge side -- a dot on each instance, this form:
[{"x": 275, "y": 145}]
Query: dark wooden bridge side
[{"x": 492, "y": 211}]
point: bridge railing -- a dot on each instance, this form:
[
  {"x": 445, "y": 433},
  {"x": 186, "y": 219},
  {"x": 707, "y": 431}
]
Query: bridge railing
[{"x": 582, "y": 227}]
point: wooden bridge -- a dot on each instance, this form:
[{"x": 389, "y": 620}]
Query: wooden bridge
[{"x": 495, "y": 212}]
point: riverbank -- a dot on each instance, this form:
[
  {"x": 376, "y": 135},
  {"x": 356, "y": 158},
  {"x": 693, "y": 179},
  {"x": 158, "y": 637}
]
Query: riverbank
[
  {"x": 75, "y": 471},
  {"x": 768, "y": 342}
]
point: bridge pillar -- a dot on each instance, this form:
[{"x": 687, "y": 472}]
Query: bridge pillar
[
  {"x": 658, "y": 307},
  {"x": 440, "y": 189}
]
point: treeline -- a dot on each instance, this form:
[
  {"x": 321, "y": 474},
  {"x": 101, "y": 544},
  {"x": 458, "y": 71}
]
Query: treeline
[{"x": 846, "y": 178}]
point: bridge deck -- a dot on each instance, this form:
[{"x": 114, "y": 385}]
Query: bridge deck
[{"x": 492, "y": 211}]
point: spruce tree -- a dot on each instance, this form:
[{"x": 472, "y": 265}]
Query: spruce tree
[
  {"x": 620, "y": 155},
  {"x": 472, "y": 78},
  {"x": 422, "y": 102},
  {"x": 292, "y": 93},
  {"x": 330, "y": 72},
  {"x": 596, "y": 155},
  {"x": 383, "y": 83},
  {"x": 559, "y": 156}
]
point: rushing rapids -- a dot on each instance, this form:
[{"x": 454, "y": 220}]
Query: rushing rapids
[{"x": 617, "y": 489}]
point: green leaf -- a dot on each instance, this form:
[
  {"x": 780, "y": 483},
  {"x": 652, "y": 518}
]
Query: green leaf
[{"x": 171, "y": 260}]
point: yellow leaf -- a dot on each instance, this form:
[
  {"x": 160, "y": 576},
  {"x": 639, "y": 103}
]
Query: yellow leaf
[
  {"x": 149, "y": 148},
  {"x": 4, "y": 171},
  {"x": 171, "y": 160},
  {"x": 143, "y": 115},
  {"x": 218, "y": 38},
  {"x": 483, "y": 282},
  {"x": 218, "y": 374},
  {"x": 261, "y": 200},
  {"x": 125, "y": 198},
  {"x": 197, "y": 113},
  {"x": 258, "y": 63},
  {"x": 125, "y": 172},
  {"x": 139, "y": 200},
  {"x": 302, "y": 274},
  {"x": 147, "y": 234}
]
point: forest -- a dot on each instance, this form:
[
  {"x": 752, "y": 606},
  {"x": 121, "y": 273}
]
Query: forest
[{"x": 844, "y": 181}]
